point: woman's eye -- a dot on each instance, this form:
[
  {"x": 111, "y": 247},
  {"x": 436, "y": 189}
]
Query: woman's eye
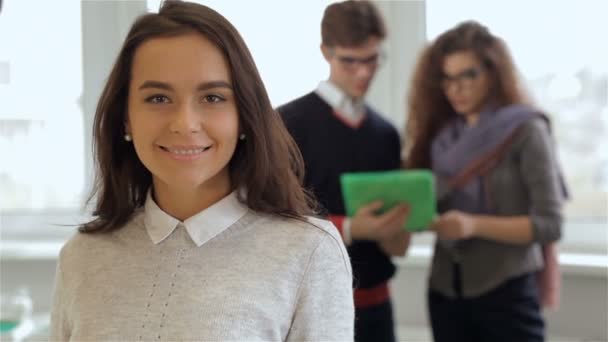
[
  {"x": 212, "y": 98},
  {"x": 157, "y": 99},
  {"x": 470, "y": 74}
]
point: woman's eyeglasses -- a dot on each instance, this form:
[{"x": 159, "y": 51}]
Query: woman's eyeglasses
[{"x": 463, "y": 79}]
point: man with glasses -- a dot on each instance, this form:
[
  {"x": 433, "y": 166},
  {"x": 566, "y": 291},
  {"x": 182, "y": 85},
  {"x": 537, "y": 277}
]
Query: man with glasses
[{"x": 338, "y": 133}]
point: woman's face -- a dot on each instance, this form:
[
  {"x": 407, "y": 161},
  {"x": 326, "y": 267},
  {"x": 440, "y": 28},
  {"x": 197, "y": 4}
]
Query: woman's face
[
  {"x": 466, "y": 82},
  {"x": 182, "y": 112}
]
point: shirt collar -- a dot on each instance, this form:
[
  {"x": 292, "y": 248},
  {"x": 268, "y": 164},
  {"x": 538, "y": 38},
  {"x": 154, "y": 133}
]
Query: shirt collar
[
  {"x": 349, "y": 109},
  {"x": 201, "y": 227}
]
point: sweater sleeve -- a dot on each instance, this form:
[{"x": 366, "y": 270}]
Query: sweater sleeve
[
  {"x": 59, "y": 327},
  {"x": 324, "y": 309},
  {"x": 541, "y": 175}
]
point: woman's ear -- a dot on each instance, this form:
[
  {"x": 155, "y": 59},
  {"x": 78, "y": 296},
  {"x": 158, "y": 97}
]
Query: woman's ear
[{"x": 127, "y": 126}]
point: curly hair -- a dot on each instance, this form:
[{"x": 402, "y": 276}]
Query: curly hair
[{"x": 429, "y": 109}]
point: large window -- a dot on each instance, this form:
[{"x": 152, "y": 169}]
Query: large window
[
  {"x": 45, "y": 118},
  {"x": 557, "y": 47},
  {"x": 43, "y": 129},
  {"x": 41, "y": 125}
]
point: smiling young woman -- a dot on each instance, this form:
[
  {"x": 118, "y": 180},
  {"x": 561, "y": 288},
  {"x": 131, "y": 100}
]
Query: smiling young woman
[
  {"x": 201, "y": 230},
  {"x": 183, "y": 118}
]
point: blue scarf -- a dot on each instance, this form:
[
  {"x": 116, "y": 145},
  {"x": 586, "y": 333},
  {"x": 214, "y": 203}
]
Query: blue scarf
[{"x": 457, "y": 145}]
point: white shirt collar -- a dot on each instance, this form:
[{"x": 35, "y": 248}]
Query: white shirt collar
[
  {"x": 343, "y": 105},
  {"x": 201, "y": 227}
]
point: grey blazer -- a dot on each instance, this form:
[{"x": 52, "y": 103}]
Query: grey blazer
[{"x": 525, "y": 182}]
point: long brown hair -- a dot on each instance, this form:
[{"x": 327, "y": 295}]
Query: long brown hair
[
  {"x": 268, "y": 163},
  {"x": 428, "y": 107}
]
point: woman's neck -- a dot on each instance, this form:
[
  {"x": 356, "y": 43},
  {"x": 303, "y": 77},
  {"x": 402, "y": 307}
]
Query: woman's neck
[
  {"x": 183, "y": 203},
  {"x": 471, "y": 119}
]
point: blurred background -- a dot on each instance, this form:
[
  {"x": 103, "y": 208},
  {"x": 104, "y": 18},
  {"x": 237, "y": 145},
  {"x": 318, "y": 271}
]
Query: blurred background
[{"x": 55, "y": 57}]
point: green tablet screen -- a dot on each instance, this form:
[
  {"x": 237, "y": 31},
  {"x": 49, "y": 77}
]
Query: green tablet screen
[{"x": 414, "y": 187}]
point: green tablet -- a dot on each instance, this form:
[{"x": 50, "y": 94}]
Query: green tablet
[{"x": 414, "y": 187}]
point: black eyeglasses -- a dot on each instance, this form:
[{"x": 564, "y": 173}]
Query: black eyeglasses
[
  {"x": 464, "y": 78},
  {"x": 351, "y": 63}
]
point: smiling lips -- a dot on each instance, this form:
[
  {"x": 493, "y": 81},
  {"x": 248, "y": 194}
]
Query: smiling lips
[{"x": 185, "y": 152}]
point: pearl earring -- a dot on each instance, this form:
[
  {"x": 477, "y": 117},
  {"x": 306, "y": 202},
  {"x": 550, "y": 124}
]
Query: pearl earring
[
  {"x": 128, "y": 137},
  {"x": 242, "y": 136}
]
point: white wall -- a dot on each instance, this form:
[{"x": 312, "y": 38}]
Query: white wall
[{"x": 405, "y": 21}]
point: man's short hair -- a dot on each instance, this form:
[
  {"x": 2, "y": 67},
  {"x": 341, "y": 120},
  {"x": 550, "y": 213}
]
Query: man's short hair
[{"x": 351, "y": 23}]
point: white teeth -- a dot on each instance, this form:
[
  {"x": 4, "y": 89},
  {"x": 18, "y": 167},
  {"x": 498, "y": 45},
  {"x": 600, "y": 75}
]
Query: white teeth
[{"x": 187, "y": 151}]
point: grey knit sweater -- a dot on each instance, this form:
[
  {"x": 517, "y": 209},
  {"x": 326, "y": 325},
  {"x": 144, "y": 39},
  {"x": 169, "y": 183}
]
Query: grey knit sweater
[{"x": 228, "y": 274}]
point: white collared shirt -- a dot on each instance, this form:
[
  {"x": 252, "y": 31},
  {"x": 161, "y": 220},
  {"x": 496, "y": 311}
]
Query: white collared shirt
[
  {"x": 348, "y": 109},
  {"x": 201, "y": 227}
]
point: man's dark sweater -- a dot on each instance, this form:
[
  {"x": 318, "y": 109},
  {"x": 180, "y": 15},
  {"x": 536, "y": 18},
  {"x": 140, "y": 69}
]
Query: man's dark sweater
[{"x": 330, "y": 148}]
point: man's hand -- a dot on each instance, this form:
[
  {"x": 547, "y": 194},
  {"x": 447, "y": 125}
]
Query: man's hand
[
  {"x": 367, "y": 225},
  {"x": 397, "y": 244}
]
